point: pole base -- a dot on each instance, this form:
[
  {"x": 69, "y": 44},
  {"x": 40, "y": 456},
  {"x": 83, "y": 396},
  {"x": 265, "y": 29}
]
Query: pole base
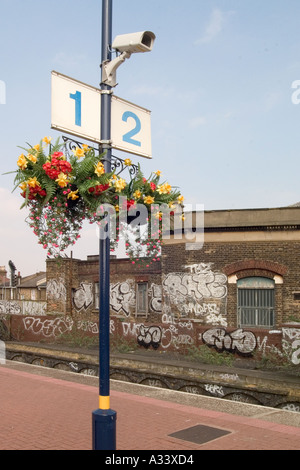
[{"x": 104, "y": 429}]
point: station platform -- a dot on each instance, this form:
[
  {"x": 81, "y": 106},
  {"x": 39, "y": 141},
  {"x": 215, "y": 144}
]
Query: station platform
[{"x": 51, "y": 409}]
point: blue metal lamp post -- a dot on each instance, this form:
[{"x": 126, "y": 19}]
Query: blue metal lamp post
[{"x": 104, "y": 419}]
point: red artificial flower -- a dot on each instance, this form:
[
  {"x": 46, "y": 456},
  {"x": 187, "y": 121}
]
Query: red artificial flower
[
  {"x": 57, "y": 155},
  {"x": 97, "y": 190},
  {"x": 57, "y": 166},
  {"x": 130, "y": 203},
  {"x": 34, "y": 192}
]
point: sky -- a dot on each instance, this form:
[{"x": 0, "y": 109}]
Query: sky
[{"x": 225, "y": 118}]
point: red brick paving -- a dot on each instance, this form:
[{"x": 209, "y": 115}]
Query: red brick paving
[{"x": 44, "y": 413}]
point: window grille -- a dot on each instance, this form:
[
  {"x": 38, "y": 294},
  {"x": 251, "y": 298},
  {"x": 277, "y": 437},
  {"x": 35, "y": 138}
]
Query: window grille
[
  {"x": 142, "y": 299},
  {"x": 256, "y": 306},
  {"x": 96, "y": 293}
]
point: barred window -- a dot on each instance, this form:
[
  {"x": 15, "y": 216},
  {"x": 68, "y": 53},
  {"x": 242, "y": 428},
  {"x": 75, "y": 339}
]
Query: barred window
[
  {"x": 96, "y": 294},
  {"x": 256, "y": 302},
  {"x": 142, "y": 298}
]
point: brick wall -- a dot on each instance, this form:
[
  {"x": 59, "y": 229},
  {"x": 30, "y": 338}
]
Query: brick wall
[
  {"x": 192, "y": 296},
  {"x": 72, "y": 287},
  {"x": 175, "y": 336},
  {"x": 60, "y": 276},
  {"x": 278, "y": 260}
]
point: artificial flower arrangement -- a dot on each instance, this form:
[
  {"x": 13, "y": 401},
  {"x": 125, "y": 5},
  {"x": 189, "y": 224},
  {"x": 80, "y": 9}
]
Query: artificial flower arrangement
[{"x": 61, "y": 191}]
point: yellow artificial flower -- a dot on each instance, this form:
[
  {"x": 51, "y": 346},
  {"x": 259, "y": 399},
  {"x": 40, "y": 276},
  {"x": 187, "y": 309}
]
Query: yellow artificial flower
[
  {"x": 127, "y": 162},
  {"x": 78, "y": 152},
  {"x": 85, "y": 147},
  {"x": 120, "y": 184},
  {"x": 32, "y": 158},
  {"x": 33, "y": 182},
  {"x": 47, "y": 140},
  {"x": 158, "y": 173},
  {"x": 164, "y": 188},
  {"x": 171, "y": 205},
  {"x": 117, "y": 209},
  {"x": 99, "y": 169},
  {"x": 37, "y": 147},
  {"x": 180, "y": 199},
  {"x": 22, "y": 162},
  {"x": 73, "y": 195},
  {"x": 158, "y": 215},
  {"x": 23, "y": 186},
  {"x": 62, "y": 180},
  {"x": 137, "y": 194},
  {"x": 148, "y": 200},
  {"x": 112, "y": 180}
]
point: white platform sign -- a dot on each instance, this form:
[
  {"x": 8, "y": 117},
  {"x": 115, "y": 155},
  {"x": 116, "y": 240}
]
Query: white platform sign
[{"x": 76, "y": 110}]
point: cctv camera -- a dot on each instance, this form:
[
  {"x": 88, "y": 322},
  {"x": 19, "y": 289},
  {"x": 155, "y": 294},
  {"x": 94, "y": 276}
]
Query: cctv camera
[
  {"x": 126, "y": 44},
  {"x": 134, "y": 42}
]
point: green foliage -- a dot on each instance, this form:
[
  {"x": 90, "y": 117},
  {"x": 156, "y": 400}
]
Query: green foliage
[
  {"x": 206, "y": 355},
  {"x": 120, "y": 345},
  {"x": 50, "y": 187},
  {"x": 77, "y": 338},
  {"x": 84, "y": 168},
  {"x": 272, "y": 359}
]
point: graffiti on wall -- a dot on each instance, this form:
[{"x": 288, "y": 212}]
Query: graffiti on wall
[
  {"x": 182, "y": 333},
  {"x": 23, "y": 307},
  {"x": 155, "y": 294},
  {"x": 88, "y": 326},
  {"x": 240, "y": 341},
  {"x": 49, "y": 328},
  {"x": 172, "y": 335},
  {"x": 149, "y": 336},
  {"x": 83, "y": 296},
  {"x": 33, "y": 307},
  {"x": 166, "y": 336},
  {"x": 122, "y": 297},
  {"x": 265, "y": 348},
  {"x": 201, "y": 292},
  {"x": 10, "y": 307},
  {"x": 291, "y": 344},
  {"x": 56, "y": 290},
  {"x": 201, "y": 283},
  {"x": 58, "y": 326}
]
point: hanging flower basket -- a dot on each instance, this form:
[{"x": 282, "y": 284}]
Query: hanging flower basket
[{"x": 61, "y": 191}]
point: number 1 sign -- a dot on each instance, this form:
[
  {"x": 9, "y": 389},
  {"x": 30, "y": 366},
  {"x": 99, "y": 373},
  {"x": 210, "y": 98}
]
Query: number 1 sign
[{"x": 76, "y": 109}]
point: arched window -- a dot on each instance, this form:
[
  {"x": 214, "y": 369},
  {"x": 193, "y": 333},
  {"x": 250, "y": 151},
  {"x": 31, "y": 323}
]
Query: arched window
[{"x": 256, "y": 305}]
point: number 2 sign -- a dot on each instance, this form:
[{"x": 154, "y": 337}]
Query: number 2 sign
[{"x": 76, "y": 109}]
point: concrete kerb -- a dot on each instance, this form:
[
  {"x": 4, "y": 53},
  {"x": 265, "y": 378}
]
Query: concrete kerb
[{"x": 222, "y": 405}]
